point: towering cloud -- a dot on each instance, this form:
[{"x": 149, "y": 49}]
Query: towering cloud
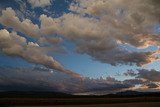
[{"x": 15, "y": 45}]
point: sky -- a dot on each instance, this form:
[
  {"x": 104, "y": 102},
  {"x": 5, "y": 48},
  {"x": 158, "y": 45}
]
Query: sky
[{"x": 79, "y": 46}]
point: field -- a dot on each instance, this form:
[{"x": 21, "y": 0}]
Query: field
[
  {"x": 51, "y": 99},
  {"x": 79, "y": 102},
  {"x": 144, "y": 104}
]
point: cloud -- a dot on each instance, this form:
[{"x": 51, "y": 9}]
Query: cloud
[
  {"x": 39, "y": 3},
  {"x": 109, "y": 88},
  {"x": 144, "y": 75},
  {"x": 147, "y": 79},
  {"x": 99, "y": 28},
  {"x": 52, "y": 40},
  {"x": 150, "y": 75},
  {"x": 49, "y": 25},
  {"x": 130, "y": 73},
  {"x": 152, "y": 85},
  {"x": 9, "y": 19},
  {"x": 42, "y": 79},
  {"x": 102, "y": 8},
  {"x": 15, "y": 45},
  {"x": 135, "y": 81},
  {"x": 108, "y": 26},
  {"x": 23, "y": 11}
]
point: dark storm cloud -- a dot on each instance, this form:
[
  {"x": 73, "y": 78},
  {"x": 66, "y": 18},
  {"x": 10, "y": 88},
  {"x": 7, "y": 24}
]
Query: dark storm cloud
[
  {"x": 42, "y": 79},
  {"x": 45, "y": 79},
  {"x": 147, "y": 79},
  {"x": 35, "y": 80},
  {"x": 150, "y": 75},
  {"x": 134, "y": 81},
  {"x": 142, "y": 75},
  {"x": 152, "y": 85},
  {"x": 110, "y": 87},
  {"x": 130, "y": 73}
]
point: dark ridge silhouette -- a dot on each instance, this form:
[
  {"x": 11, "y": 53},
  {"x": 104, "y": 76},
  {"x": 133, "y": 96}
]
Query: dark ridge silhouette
[
  {"x": 43, "y": 94},
  {"x": 19, "y": 98},
  {"x": 33, "y": 94},
  {"x": 137, "y": 94}
]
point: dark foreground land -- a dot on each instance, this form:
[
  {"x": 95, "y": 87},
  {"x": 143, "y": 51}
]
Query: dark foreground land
[
  {"x": 143, "y": 104},
  {"x": 50, "y": 99}
]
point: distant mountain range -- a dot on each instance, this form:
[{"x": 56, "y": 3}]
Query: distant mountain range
[
  {"x": 55, "y": 98},
  {"x": 136, "y": 93},
  {"x": 41, "y": 94}
]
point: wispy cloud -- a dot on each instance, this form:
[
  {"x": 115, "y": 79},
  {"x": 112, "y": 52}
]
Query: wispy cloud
[{"x": 39, "y": 3}]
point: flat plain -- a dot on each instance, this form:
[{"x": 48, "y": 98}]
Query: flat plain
[
  {"x": 143, "y": 104},
  {"x": 81, "y": 102},
  {"x": 50, "y": 99}
]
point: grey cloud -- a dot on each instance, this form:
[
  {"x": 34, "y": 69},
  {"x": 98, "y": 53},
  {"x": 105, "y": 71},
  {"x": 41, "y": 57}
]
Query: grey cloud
[
  {"x": 143, "y": 76},
  {"x": 135, "y": 81},
  {"x": 150, "y": 75},
  {"x": 43, "y": 79},
  {"x": 110, "y": 88},
  {"x": 152, "y": 85},
  {"x": 115, "y": 56},
  {"x": 130, "y": 73}
]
